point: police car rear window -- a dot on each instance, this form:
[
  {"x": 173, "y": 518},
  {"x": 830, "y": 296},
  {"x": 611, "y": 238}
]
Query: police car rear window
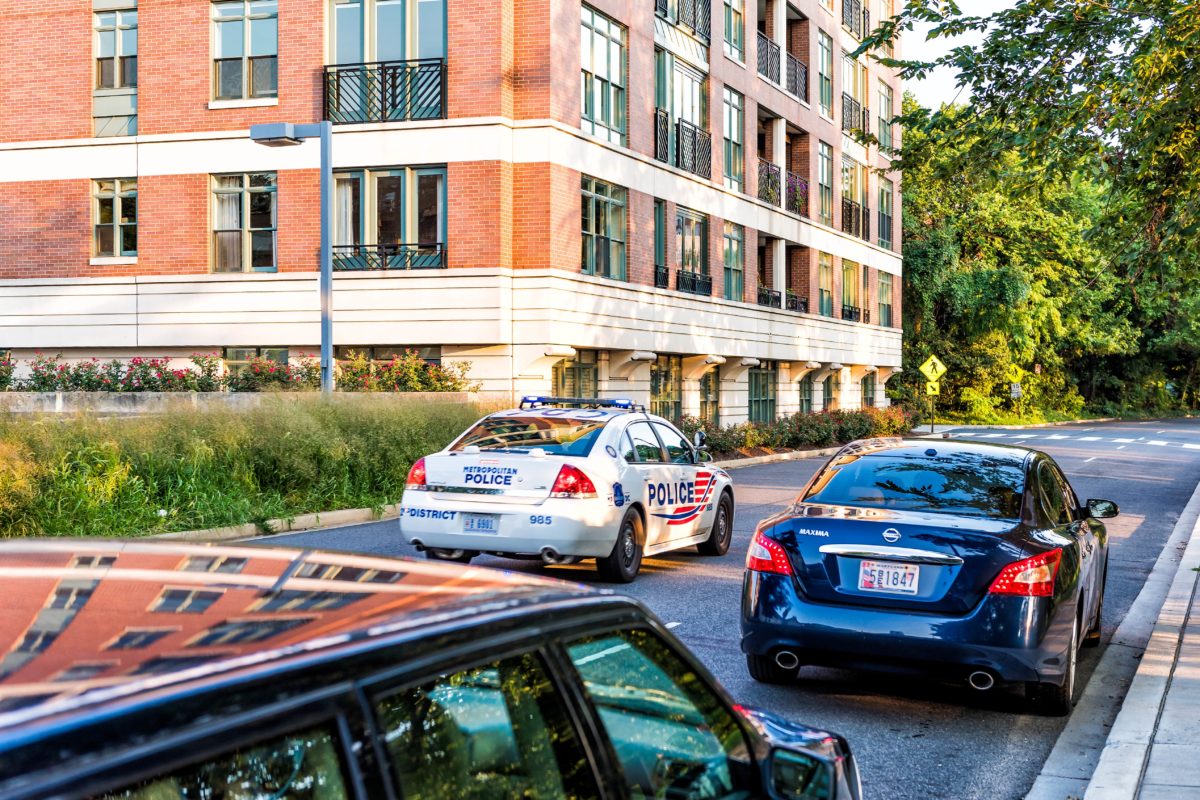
[{"x": 562, "y": 435}]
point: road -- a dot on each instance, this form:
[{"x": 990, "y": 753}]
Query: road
[{"x": 914, "y": 739}]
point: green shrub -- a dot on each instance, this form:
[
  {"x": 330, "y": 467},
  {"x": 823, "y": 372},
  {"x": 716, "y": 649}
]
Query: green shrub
[
  {"x": 262, "y": 374},
  {"x": 801, "y": 431},
  {"x": 7, "y": 366},
  {"x": 404, "y": 373}
]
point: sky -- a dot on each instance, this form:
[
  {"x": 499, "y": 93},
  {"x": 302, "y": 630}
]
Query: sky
[{"x": 940, "y": 86}]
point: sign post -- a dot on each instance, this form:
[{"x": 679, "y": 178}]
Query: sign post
[{"x": 933, "y": 369}]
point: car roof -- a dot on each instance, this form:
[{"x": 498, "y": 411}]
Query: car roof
[
  {"x": 95, "y": 623},
  {"x": 896, "y": 447}
]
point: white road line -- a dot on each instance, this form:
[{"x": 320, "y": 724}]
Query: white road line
[
  {"x": 1058, "y": 436},
  {"x": 963, "y": 433},
  {"x": 674, "y": 624},
  {"x": 1090, "y": 460},
  {"x": 1126, "y": 441},
  {"x": 1122, "y": 447},
  {"x": 1089, "y": 438},
  {"x": 1157, "y": 443},
  {"x": 993, "y": 435},
  {"x": 1192, "y": 446}
]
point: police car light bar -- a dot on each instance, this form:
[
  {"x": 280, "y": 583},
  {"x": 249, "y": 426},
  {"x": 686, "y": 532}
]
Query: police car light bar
[{"x": 624, "y": 403}]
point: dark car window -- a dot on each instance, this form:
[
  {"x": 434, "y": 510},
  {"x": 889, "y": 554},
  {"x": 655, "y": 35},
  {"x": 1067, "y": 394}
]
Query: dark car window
[
  {"x": 499, "y": 731},
  {"x": 627, "y": 451},
  {"x": 1068, "y": 493},
  {"x": 1050, "y": 494},
  {"x": 302, "y": 766},
  {"x": 672, "y": 735},
  {"x": 678, "y": 449},
  {"x": 966, "y": 484},
  {"x": 645, "y": 442},
  {"x": 568, "y": 433}
]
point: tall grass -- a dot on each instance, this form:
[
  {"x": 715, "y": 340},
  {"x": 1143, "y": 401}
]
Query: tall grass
[{"x": 188, "y": 469}]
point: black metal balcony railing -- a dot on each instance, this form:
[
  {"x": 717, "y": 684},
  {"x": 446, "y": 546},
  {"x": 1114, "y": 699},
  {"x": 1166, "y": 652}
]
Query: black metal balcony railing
[
  {"x": 856, "y": 219},
  {"x": 693, "y": 282},
  {"x": 768, "y": 57},
  {"x": 796, "y": 198},
  {"x": 696, "y": 15},
  {"x": 693, "y": 149},
  {"x": 852, "y": 313},
  {"x": 376, "y": 257},
  {"x": 769, "y": 182},
  {"x": 385, "y": 91},
  {"x": 662, "y": 135},
  {"x": 856, "y": 16},
  {"x": 769, "y": 297},
  {"x": 662, "y": 277},
  {"x": 795, "y": 303},
  {"x": 855, "y": 116},
  {"x": 797, "y": 77}
]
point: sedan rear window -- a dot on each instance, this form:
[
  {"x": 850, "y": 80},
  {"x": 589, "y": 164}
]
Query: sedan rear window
[
  {"x": 557, "y": 435},
  {"x": 950, "y": 484}
]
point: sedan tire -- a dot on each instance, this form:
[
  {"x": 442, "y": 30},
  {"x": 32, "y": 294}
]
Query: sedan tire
[
  {"x": 1052, "y": 699},
  {"x": 442, "y": 554},
  {"x": 623, "y": 563},
  {"x": 717, "y": 543},
  {"x": 1092, "y": 639}
]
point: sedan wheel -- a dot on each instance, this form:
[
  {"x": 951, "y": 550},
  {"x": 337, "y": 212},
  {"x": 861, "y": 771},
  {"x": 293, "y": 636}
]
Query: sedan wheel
[
  {"x": 442, "y": 554},
  {"x": 717, "y": 543},
  {"x": 623, "y": 563},
  {"x": 1053, "y": 699}
]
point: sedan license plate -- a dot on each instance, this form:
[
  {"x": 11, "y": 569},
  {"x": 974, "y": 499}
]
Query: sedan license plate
[
  {"x": 481, "y": 523},
  {"x": 884, "y": 576}
]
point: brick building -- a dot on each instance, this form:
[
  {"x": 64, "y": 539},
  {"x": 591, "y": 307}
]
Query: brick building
[{"x": 660, "y": 199}]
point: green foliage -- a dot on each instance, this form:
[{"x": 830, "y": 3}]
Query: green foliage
[
  {"x": 263, "y": 374},
  {"x": 198, "y": 469},
  {"x": 802, "y": 431},
  {"x": 404, "y": 373},
  {"x": 7, "y": 367}
]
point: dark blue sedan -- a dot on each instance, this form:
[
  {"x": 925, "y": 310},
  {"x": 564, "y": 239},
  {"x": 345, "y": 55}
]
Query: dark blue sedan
[{"x": 962, "y": 560}]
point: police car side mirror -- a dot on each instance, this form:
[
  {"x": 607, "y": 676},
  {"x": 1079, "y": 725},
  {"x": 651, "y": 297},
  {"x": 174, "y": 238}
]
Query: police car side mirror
[
  {"x": 703, "y": 457},
  {"x": 699, "y": 439}
]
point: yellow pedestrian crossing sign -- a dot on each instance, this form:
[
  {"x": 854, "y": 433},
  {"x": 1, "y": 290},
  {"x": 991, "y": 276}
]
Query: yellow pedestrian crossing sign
[
  {"x": 933, "y": 388},
  {"x": 933, "y": 369}
]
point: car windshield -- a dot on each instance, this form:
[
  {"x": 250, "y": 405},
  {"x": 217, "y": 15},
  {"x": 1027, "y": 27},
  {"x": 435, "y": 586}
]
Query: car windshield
[
  {"x": 953, "y": 483},
  {"x": 558, "y": 435}
]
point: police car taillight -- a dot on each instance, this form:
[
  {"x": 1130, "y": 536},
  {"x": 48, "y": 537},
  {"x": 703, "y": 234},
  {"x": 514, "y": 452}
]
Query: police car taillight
[
  {"x": 416, "y": 477},
  {"x": 571, "y": 482}
]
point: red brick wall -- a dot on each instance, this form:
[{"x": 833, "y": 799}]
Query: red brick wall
[
  {"x": 482, "y": 70},
  {"x": 299, "y": 221},
  {"x": 475, "y": 212},
  {"x": 640, "y": 239},
  {"x": 173, "y": 226},
  {"x": 46, "y": 229},
  {"x": 47, "y": 88}
]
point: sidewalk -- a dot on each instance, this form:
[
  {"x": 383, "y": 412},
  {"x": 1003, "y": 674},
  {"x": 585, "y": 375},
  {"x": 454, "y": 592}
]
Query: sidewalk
[{"x": 1153, "y": 749}]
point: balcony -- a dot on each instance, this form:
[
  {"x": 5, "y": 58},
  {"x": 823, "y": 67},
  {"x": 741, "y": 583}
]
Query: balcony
[
  {"x": 385, "y": 91},
  {"x": 853, "y": 313},
  {"x": 856, "y": 219},
  {"x": 662, "y": 277},
  {"x": 769, "y": 297},
  {"x": 694, "y": 15},
  {"x": 797, "y": 77},
  {"x": 693, "y": 146},
  {"x": 796, "y": 197},
  {"x": 768, "y": 58},
  {"x": 855, "y": 116},
  {"x": 386, "y": 257},
  {"x": 693, "y": 282},
  {"x": 856, "y": 17},
  {"x": 768, "y": 182},
  {"x": 795, "y": 303}
]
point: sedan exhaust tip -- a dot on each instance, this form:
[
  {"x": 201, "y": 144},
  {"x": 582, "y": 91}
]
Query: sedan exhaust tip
[
  {"x": 555, "y": 558},
  {"x": 786, "y": 659},
  {"x": 981, "y": 681}
]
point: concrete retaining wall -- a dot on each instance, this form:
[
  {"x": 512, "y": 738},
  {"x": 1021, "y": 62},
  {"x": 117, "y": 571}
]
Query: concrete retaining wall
[{"x": 116, "y": 403}]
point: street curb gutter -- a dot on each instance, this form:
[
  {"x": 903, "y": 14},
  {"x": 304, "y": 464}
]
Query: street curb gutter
[
  {"x": 353, "y": 516},
  {"x": 1123, "y": 761}
]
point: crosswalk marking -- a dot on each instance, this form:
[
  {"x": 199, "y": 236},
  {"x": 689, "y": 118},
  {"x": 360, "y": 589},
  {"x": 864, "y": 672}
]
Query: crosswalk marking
[
  {"x": 1192, "y": 446},
  {"x": 1089, "y": 438},
  {"x": 1021, "y": 437},
  {"x": 1125, "y": 441},
  {"x": 1157, "y": 443}
]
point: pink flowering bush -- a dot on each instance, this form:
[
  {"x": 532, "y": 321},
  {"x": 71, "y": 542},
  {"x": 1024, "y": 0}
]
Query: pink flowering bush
[{"x": 262, "y": 374}]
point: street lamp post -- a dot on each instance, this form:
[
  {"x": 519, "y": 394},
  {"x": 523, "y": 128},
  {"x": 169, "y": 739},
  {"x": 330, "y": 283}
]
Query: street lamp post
[{"x": 285, "y": 134}]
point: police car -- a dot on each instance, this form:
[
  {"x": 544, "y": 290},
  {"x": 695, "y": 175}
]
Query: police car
[{"x": 565, "y": 479}]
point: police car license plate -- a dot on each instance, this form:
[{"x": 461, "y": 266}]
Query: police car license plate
[
  {"x": 885, "y": 576},
  {"x": 481, "y": 523}
]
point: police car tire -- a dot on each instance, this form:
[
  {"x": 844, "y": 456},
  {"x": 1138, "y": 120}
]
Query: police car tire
[
  {"x": 717, "y": 543},
  {"x": 623, "y": 563},
  {"x": 442, "y": 554}
]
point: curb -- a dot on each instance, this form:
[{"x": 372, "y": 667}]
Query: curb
[
  {"x": 300, "y": 522},
  {"x": 1126, "y": 752},
  {"x": 790, "y": 455}
]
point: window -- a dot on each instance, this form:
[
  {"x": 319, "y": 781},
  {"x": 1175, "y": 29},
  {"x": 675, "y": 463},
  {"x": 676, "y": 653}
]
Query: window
[
  {"x": 214, "y": 564},
  {"x": 389, "y": 218},
  {"x": 302, "y": 765},
  {"x": 137, "y": 638},
  {"x": 825, "y": 285},
  {"x": 578, "y": 376},
  {"x": 854, "y": 80},
  {"x": 322, "y": 571},
  {"x": 681, "y": 93},
  {"x": 830, "y": 387},
  {"x": 735, "y": 129},
  {"x": 854, "y": 181},
  {"x": 246, "y": 631},
  {"x": 244, "y": 222},
  {"x": 645, "y": 443},
  {"x": 296, "y": 600},
  {"x": 83, "y": 671},
  {"x": 806, "y": 394},
  {"x": 886, "y": 190},
  {"x": 660, "y": 233},
  {"x": 735, "y": 29},
  {"x": 387, "y": 30},
  {"x": 885, "y": 299},
  {"x": 92, "y": 562},
  {"x": 710, "y": 396},
  {"x": 116, "y": 49},
  {"x": 825, "y": 72},
  {"x": 868, "y": 391},
  {"x": 69, "y": 599},
  {"x": 34, "y": 642},
  {"x": 514, "y": 431},
  {"x": 691, "y": 229},
  {"x": 666, "y": 387},
  {"x": 499, "y": 730},
  {"x": 1050, "y": 494},
  {"x": 886, "y": 112},
  {"x": 603, "y": 222},
  {"x": 677, "y": 447},
  {"x": 245, "y": 47},
  {"x": 646, "y": 696},
  {"x": 114, "y": 210},
  {"x": 825, "y": 182},
  {"x": 735, "y": 261},
  {"x": 237, "y": 358},
  {"x": 763, "y": 379},
  {"x": 184, "y": 601},
  {"x": 602, "y": 50},
  {"x": 849, "y": 284}
]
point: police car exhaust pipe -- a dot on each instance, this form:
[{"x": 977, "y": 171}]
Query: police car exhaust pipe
[
  {"x": 419, "y": 545},
  {"x": 550, "y": 555},
  {"x": 981, "y": 681},
  {"x": 786, "y": 659}
]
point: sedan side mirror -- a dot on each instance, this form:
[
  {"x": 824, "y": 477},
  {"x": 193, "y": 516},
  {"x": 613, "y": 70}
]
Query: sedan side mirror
[
  {"x": 699, "y": 439},
  {"x": 703, "y": 457},
  {"x": 1102, "y": 509},
  {"x": 797, "y": 775}
]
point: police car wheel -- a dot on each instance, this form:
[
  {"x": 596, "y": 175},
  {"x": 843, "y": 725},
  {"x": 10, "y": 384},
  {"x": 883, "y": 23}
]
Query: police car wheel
[
  {"x": 717, "y": 543},
  {"x": 441, "y": 554},
  {"x": 623, "y": 563}
]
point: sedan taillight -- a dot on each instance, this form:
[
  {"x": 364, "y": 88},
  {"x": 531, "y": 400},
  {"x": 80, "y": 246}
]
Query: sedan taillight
[
  {"x": 767, "y": 555},
  {"x": 572, "y": 482},
  {"x": 416, "y": 477},
  {"x": 1031, "y": 577}
]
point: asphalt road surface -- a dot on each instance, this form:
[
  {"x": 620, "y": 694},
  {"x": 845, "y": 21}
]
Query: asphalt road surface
[{"x": 913, "y": 738}]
